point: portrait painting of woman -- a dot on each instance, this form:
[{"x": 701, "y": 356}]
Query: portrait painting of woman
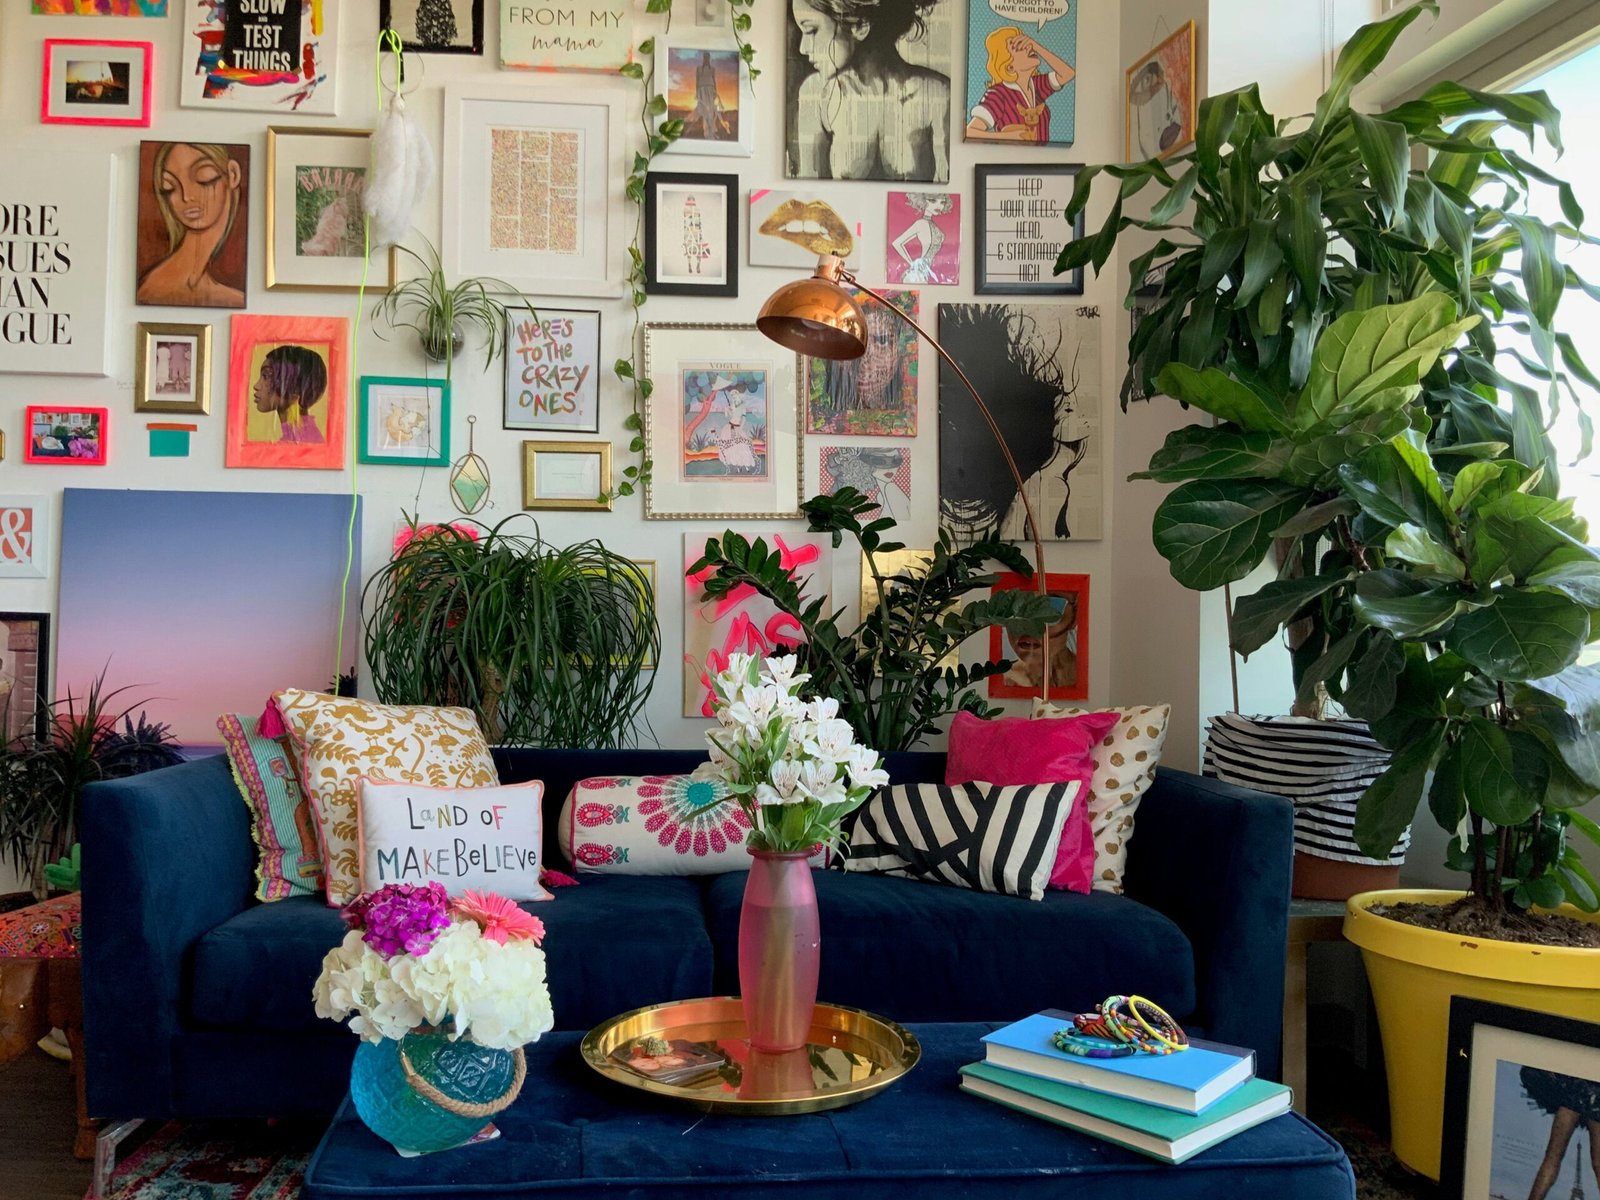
[
  {"x": 191, "y": 244},
  {"x": 286, "y": 392}
]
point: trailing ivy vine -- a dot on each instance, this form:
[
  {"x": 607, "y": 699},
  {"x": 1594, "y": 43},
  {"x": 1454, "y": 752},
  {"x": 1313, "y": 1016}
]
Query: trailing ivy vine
[{"x": 653, "y": 107}]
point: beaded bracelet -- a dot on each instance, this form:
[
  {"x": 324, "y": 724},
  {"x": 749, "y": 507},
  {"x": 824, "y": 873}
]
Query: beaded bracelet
[
  {"x": 1085, "y": 1046},
  {"x": 1132, "y": 1022}
]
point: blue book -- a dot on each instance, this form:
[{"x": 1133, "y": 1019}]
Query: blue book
[
  {"x": 1188, "y": 1081},
  {"x": 1169, "y": 1136}
]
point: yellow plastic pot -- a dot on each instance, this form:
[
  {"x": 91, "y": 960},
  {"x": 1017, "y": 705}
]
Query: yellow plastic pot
[{"x": 1414, "y": 973}]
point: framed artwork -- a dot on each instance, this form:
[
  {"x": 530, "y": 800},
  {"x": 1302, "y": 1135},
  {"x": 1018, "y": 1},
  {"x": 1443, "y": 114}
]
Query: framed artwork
[
  {"x": 874, "y": 395},
  {"x": 791, "y": 228},
  {"x": 66, "y": 435},
  {"x": 316, "y": 231},
  {"x": 53, "y": 311},
  {"x": 566, "y": 35},
  {"x": 1021, "y": 73},
  {"x": 707, "y": 87},
  {"x": 286, "y": 392},
  {"x": 24, "y": 537},
  {"x": 924, "y": 238},
  {"x": 1159, "y": 98},
  {"x": 24, "y": 676},
  {"x": 90, "y": 82},
  {"x": 647, "y": 599},
  {"x": 278, "y": 57},
  {"x": 894, "y": 49},
  {"x": 1518, "y": 1086},
  {"x": 723, "y": 424},
  {"x": 435, "y": 26},
  {"x": 404, "y": 422},
  {"x": 880, "y": 473},
  {"x": 744, "y": 622},
  {"x": 566, "y": 475},
  {"x": 172, "y": 370},
  {"x": 192, "y": 241},
  {"x": 691, "y": 234},
  {"x": 553, "y": 370},
  {"x": 99, "y": 8},
  {"x": 1038, "y": 366},
  {"x": 1069, "y": 643},
  {"x": 528, "y": 180},
  {"x": 1019, "y": 213}
]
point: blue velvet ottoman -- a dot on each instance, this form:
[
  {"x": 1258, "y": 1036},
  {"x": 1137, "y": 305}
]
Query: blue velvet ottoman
[{"x": 572, "y": 1134}]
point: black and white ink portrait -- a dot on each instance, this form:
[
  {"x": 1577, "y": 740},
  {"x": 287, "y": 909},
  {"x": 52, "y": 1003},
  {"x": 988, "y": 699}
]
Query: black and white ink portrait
[{"x": 436, "y": 26}]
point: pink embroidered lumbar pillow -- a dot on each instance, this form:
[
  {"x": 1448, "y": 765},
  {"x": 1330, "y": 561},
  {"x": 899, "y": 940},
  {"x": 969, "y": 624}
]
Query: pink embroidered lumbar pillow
[
  {"x": 1014, "y": 751},
  {"x": 653, "y": 825}
]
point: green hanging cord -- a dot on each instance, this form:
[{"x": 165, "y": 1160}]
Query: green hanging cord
[{"x": 387, "y": 40}]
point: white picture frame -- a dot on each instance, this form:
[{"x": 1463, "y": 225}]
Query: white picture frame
[
  {"x": 490, "y": 128},
  {"x": 552, "y": 371},
  {"x": 676, "y": 79},
  {"x": 209, "y": 81}
]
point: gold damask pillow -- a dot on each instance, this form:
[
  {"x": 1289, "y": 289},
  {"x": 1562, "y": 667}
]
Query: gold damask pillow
[
  {"x": 337, "y": 740},
  {"x": 1125, "y": 763}
]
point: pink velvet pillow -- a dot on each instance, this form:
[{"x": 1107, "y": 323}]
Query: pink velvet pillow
[{"x": 1011, "y": 751}]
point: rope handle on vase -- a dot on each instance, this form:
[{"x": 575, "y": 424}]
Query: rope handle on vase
[{"x": 463, "y": 1108}]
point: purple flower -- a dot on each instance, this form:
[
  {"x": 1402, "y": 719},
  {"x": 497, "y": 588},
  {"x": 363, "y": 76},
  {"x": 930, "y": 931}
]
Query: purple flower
[{"x": 400, "y": 918}]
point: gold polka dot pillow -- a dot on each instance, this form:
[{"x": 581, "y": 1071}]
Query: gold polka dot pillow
[
  {"x": 1124, "y": 765},
  {"x": 337, "y": 740}
]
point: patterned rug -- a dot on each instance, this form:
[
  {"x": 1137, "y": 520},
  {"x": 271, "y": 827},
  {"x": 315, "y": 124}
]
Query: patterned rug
[{"x": 243, "y": 1160}]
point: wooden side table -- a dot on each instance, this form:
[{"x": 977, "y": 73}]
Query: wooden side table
[{"x": 1309, "y": 921}]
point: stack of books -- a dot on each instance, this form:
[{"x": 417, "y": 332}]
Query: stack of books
[{"x": 1169, "y": 1106}]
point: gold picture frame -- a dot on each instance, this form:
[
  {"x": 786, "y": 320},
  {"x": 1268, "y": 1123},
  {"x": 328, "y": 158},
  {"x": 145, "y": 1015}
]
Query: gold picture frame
[
  {"x": 179, "y": 383},
  {"x": 564, "y": 481},
  {"x": 315, "y": 178},
  {"x": 1162, "y": 87}
]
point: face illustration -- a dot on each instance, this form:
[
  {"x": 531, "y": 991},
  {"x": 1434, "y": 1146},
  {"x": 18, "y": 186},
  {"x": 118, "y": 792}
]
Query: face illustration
[
  {"x": 1024, "y": 58},
  {"x": 822, "y": 43},
  {"x": 196, "y": 189},
  {"x": 1029, "y": 648},
  {"x": 266, "y": 396},
  {"x": 940, "y": 206}
]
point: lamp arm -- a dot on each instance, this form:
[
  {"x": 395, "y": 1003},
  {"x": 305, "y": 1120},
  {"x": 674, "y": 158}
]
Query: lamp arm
[{"x": 1005, "y": 451}]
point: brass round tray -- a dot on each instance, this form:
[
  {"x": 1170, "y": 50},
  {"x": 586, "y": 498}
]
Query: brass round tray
[{"x": 850, "y": 1056}]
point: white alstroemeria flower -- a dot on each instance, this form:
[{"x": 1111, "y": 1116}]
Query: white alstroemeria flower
[
  {"x": 825, "y": 708},
  {"x": 865, "y": 769},
  {"x": 767, "y": 795},
  {"x": 791, "y": 708},
  {"x": 834, "y": 739},
  {"x": 785, "y": 776},
  {"x": 817, "y": 775},
  {"x": 781, "y": 669}
]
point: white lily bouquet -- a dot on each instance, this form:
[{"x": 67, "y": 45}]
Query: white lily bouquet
[{"x": 793, "y": 765}]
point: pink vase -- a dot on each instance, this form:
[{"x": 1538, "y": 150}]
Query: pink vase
[{"x": 780, "y": 948}]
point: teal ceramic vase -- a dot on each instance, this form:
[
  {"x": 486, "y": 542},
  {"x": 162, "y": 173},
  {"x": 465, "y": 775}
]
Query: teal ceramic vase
[{"x": 452, "y": 1090}]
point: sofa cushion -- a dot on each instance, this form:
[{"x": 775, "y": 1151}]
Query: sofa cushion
[
  {"x": 916, "y": 951},
  {"x": 611, "y": 944}
]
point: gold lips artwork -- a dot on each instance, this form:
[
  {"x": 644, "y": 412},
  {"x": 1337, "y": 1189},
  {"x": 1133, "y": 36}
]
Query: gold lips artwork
[{"x": 812, "y": 225}]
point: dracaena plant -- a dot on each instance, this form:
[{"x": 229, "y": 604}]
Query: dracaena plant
[
  {"x": 891, "y": 674},
  {"x": 1344, "y": 318}
]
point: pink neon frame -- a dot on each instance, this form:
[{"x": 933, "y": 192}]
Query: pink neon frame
[
  {"x": 142, "y": 121},
  {"x": 28, "y": 456}
]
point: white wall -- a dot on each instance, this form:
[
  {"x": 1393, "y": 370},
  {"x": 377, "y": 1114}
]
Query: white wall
[{"x": 388, "y": 489}]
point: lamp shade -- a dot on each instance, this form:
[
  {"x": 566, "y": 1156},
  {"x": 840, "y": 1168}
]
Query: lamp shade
[{"x": 816, "y": 317}]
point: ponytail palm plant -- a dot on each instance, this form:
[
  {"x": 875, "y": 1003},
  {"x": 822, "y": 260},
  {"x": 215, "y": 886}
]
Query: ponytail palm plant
[{"x": 1376, "y": 345}]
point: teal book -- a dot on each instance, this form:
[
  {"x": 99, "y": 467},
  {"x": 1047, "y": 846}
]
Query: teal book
[
  {"x": 1160, "y": 1133},
  {"x": 1188, "y": 1081}
]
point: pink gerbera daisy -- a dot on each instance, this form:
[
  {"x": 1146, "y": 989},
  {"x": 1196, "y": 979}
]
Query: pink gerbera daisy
[{"x": 499, "y": 918}]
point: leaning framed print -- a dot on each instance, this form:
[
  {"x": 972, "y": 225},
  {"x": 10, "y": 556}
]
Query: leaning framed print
[
  {"x": 1518, "y": 1086},
  {"x": 89, "y": 82},
  {"x": 529, "y": 174},
  {"x": 1159, "y": 98},
  {"x": 1018, "y": 211},
  {"x": 404, "y": 422},
  {"x": 316, "y": 231},
  {"x": 278, "y": 56},
  {"x": 552, "y": 370},
  {"x": 286, "y": 391},
  {"x": 691, "y": 234},
  {"x": 24, "y": 676},
  {"x": 65, "y": 435},
  {"x": 707, "y": 86},
  {"x": 723, "y": 424},
  {"x": 566, "y": 475},
  {"x": 435, "y": 26},
  {"x": 172, "y": 368}
]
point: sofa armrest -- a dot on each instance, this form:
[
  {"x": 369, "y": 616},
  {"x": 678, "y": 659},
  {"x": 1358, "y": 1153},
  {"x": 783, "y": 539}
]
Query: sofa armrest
[
  {"x": 167, "y": 856},
  {"x": 1217, "y": 860}
]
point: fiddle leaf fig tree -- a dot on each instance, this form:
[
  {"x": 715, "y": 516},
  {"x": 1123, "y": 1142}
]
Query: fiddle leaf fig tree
[{"x": 1347, "y": 320}]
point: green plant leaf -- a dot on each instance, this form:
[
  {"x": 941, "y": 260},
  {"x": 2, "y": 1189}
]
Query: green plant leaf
[
  {"x": 1213, "y": 532},
  {"x": 1578, "y": 579},
  {"x": 1386, "y": 153},
  {"x": 1542, "y": 273},
  {"x": 1262, "y": 258},
  {"x": 1524, "y": 634},
  {"x": 1396, "y": 483},
  {"x": 1389, "y": 805},
  {"x": 1503, "y": 772},
  {"x": 1360, "y": 56},
  {"x": 1325, "y": 668},
  {"x": 1316, "y": 517},
  {"x": 1446, "y": 801},
  {"x": 1216, "y": 452},
  {"x": 1415, "y": 545},
  {"x": 1402, "y": 604},
  {"x": 1373, "y": 681},
  {"x": 1224, "y": 397},
  {"x": 1302, "y": 232},
  {"x": 1257, "y": 617}
]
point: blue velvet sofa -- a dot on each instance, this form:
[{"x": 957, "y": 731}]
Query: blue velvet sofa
[{"x": 197, "y": 999}]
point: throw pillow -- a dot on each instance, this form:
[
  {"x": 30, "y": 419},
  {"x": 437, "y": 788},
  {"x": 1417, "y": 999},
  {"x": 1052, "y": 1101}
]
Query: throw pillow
[
  {"x": 484, "y": 838},
  {"x": 975, "y": 835},
  {"x": 338, "y": 739},
  {"x": 646, "y": 825},
  {"x": 1016, "y": 750},
  {"x": 1125, "y": 763},
  {"x": 281, "y": 824}
]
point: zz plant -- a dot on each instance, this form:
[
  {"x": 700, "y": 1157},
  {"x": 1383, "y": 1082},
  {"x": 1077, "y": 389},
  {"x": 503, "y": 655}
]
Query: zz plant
[{"x": 1345, "y": 319}]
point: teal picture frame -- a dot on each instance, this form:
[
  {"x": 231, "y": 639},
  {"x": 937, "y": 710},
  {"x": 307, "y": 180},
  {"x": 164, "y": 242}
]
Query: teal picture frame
[{"x": 404, "y": 422}]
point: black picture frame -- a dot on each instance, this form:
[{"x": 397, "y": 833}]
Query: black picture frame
[
  {"x": 1467, "y": 1016},
  {"x": 41, "y": 674},
  {"x": 385, "y": 21},
  {"x": 729, "y": 186},
  {"x": 989, "y": 178}
]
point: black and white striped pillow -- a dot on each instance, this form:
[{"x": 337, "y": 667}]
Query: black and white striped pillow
[{"x": 973, "y": 835}]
